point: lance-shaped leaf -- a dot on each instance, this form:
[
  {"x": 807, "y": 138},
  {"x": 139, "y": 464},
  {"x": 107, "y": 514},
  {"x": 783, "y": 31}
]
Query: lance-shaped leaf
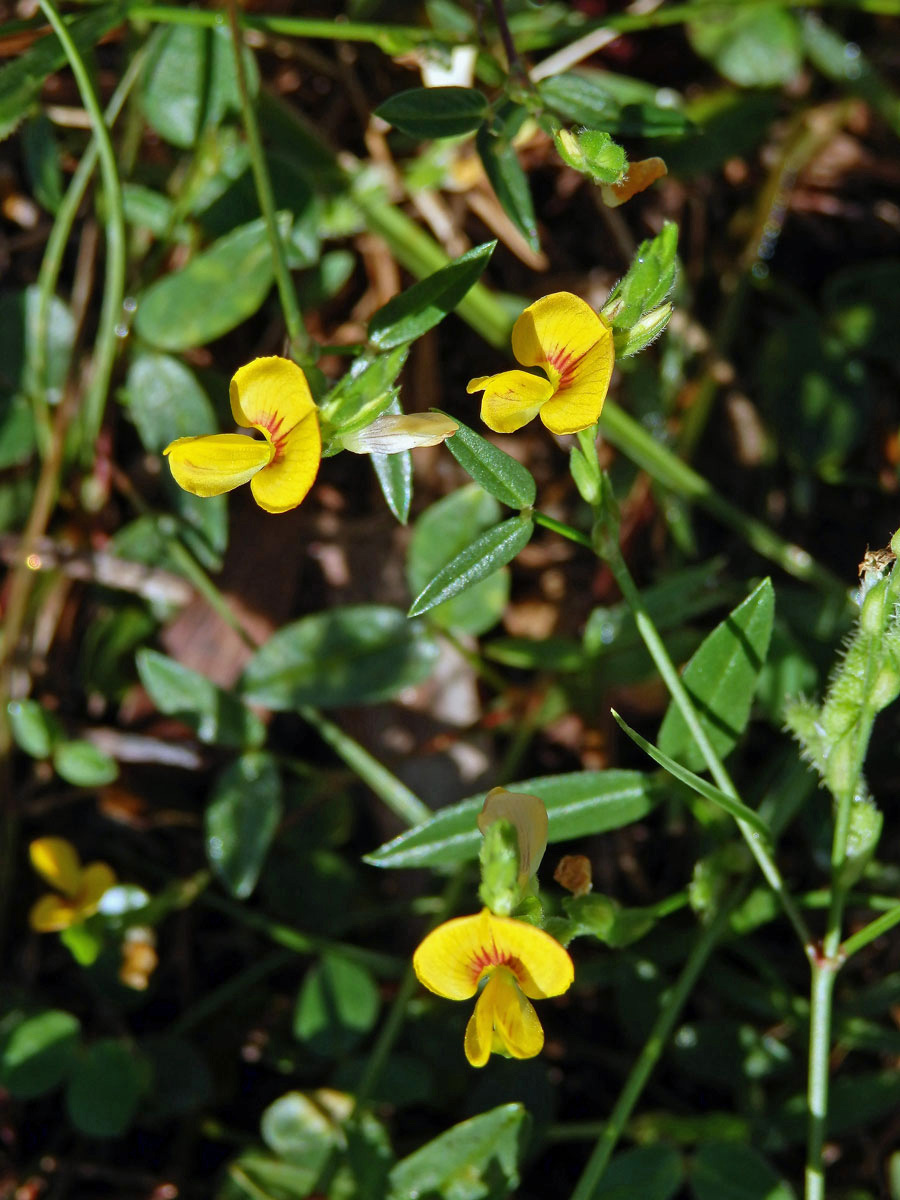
[
  {"x": 703, "y": 787},
  {"x": 241, "y": 821},
  {"x": 721, "y": 678},
  {"x": 492, "y": 550},
  {"x": 503, "y": 169},
  {"x": 422, "y": 306},
  {"x": 497, "y": 472},
  {"x": 435, "y": 112}
]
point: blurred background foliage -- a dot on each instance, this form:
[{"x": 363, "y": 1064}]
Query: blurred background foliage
[{"x": 234, "y": 710}]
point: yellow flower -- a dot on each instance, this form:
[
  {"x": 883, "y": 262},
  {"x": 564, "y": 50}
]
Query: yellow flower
[
  {"x": 271, "y": 395},
  {"x": 563, "y": 336},
  {"x": 79, "y": 889},
  {"x": 517, "y": 961}
]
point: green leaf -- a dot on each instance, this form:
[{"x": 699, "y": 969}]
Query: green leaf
[
  {"x": 475, "y": 1160},
  {"x": 434, "y": 112},
  {"x": 303, "y": 1134},
  {"x": 21, "y": 79},
  {"x": 588, "y": 98},
  {"x": 18, "y": 330},
  {"x": 215, "y": 715},
  {"x": 35, "y": 730},
  {"x": 752, "y": 46},
  {"x": 358, "y": 654},
  {"x": 337, "y": 1006},
  {"x": 578, "y": 805},
  {"x": 257, "y": 1176},
  {"x": 241, "y": 820},
  {"x": 84, "y": 765},
  {"x": 165, "y": 401},
  {"x": 41, "y": 154},
  {"x": 730, "y": 1171},
  {"x": 105, "y": 1088},
  {"x": 407, "y": 316},
  {"x": 365, "y": 392},
  {"x": 35, "y": 1058},
  {"x": 492, "y": 550},
  {"x": 189, "y": 81},
  {"x": 720, "y": 680},
  {"x": 216, "y": 291},
  {"x": 503, "y": 169},
  {"x": 739, "y": 811},
  {"x": 497, "y": 472},
  {"x": 395, "y": 476},
  {"x": 440, "y": 533},
  {"x": 646, "y": 1172}
]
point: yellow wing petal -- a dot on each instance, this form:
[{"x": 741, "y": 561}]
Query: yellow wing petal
[
  {"x": 511, "y": 399},
  {"x": 50, "y": 914},
  {"x": 579, "y": 399},
  {"x": 514, "y": 1019},
  {"x": 290, "y": 475},
  {"x": 217, "y": 463},
  {"x": 272, "y": 394},
  {"x": 555, "y": 332},
  {"x": 97, "y": 878},
  {"x": 540, "y": 964},
  {"x": 480, "y": 1030},
  {"x": 57, "y": 862}
]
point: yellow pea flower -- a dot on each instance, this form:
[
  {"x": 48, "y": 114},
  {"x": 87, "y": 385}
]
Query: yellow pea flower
[
  {"x": 573, "y": 345},
  {"x": 272, "y": 396},
  {"x": 518, "y": 962},
  {"x": 78, "y": 889}
]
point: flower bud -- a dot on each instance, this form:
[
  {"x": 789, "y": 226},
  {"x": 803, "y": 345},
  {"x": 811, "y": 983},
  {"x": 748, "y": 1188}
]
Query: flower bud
[{"x": 391, "y": 433}]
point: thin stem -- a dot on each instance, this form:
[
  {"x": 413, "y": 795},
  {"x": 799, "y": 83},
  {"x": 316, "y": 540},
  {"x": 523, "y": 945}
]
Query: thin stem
[
  {"x": 396, "y": 795},
  {"x": 869, "y": 932},
  {"x": 560, "y": 527},
  {"x": 297, "y": 334},
  {"x": 114, "y": 285},
  {"x": 670, "y": 1009},
  {"x": 54, "y": 252},
  {"x": 513, "y": 62},
  {"x": 823, "y": 977}
]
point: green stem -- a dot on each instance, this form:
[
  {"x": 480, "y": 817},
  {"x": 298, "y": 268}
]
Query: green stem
[
  {"x": 114, "y": 285},
  {"x": 396, "y": 795},
  {"x": 823, "y": 977},
  {"x": 297, "y": 335},
  {"x": 51, "y": 263},
  {"x": 669, "y": 1013},
  {"x": 870, "y": 932},
  {"x": 560, "y": 527}
]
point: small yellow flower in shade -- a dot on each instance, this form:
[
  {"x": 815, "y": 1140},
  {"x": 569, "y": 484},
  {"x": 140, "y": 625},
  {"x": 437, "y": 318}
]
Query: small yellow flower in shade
[
  {"x": 573, "y": 345},
  {"x": 272, "y": 396},
  {"x": 528, "y": 817},
  {"x": 518, "y": 962},
  {"x": 78, "y": 889}
]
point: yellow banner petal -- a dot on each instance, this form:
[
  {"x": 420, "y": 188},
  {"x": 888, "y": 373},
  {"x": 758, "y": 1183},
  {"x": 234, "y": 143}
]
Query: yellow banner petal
[
  {"x": 555, "y": 332},
  {"x": 97, "y": 878},
  {"x": 290, "y": 475},
  {"x": 579, "y": 400},
  {"x": 217, "y": 463},
  {"x": 454, "y": 957},
  {"x": 511, "y": 399},
  {"x": 50, "y": 914},
  {"x": 57, "y": 862},
  {"x": 272, "y": 394}
]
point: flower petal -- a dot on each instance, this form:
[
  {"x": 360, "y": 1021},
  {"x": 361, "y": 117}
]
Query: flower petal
[
  {"x": 453, "y": 958},
  {"x": 97, "y": 878},
  {"x": 217, "y": 463},
  {"x": 51, "y": 913},
  {"x": 510, "y": 399},
  {"x": 579, "y": 399},
  {"x": 514, "y": 1020},
  {"x": 528, "y": 817},
  {"x": 640, "y": 175},
  {"x": 272, "y": 394},
  {"x": 57, "y": 862},
  {"x": 480, "y": 1029},
  {"x": 394, "y": 432},
  {"x": 555, "y": 332},
  {"x": 290, "y": 475}
]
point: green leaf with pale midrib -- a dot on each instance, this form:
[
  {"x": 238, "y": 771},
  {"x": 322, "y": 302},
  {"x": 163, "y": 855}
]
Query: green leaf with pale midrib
[
  {"x": 492, "y": 550},
  {"x": 578, "y": 804}
]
